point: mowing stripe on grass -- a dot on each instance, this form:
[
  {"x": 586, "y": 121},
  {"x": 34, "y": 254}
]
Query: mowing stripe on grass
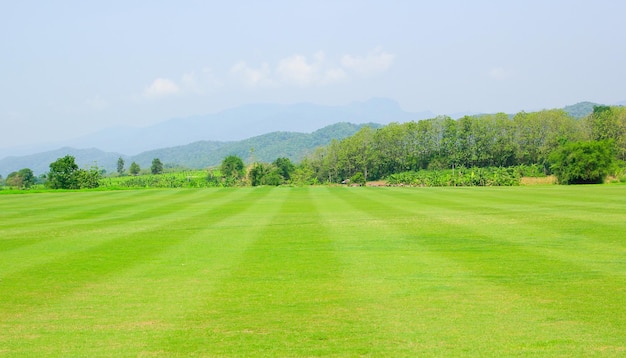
[
  {"x": 494, "y": 250},
  {"x": 38, "y": 284},
  {"x": 531, "y": 271},
  {"x": 285, "y": 298},
  {"x": 47, "y": 242},
  {"x": 131, "y": 310}
]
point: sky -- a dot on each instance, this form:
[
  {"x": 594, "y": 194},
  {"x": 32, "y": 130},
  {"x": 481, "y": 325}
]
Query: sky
[{"x": 69, "y": 68}]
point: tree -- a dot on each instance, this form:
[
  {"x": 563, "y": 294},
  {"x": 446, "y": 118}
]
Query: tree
[
  {"x": 22, "y": 179},
  {"x": 89, "y": 178},
  {"x": 588, "y": 162},
  {"x": 285, "y": 167},
  {"x": 65, "y": 174},
  {"x": 62, "y": 174},
  {"x": 609, "y": 123},
  {"x": 232, "y": 168},
  {"x": 120, "y": 166},
  {"x": 265, "y": 174},
  {"x": 358, "y": 178},
  {"x": 134, "y": 168},
  {"x": 157, "y": 166}
]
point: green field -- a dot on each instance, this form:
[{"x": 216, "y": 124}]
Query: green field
[{"x": 315, "y": 271}]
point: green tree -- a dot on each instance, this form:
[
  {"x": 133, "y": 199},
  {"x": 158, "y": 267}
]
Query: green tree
[
  {"x": 257, "y": 174},
  {"x": 609, "y": 123},
  {"x": 358, "y": 178},
  {"x": 22, "y": 179},
  {"x": 89, "y": 178},
  {"x": 134, "y": 169},
  {"x": 157, "y": 166},
  {"x": 265, "y": 174},
  {"x": 65, "y": 174},
  {"x": 120, "y": 166},
  {"x": 62, "y": 174},
  {"x": 588, "y": 162},
  {"x": 232, "y": 168},
  {"x": 14, "y": 180},
  {"x": 285, "y": 167}
]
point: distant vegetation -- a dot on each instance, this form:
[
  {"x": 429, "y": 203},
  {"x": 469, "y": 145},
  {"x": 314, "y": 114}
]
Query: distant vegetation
[
  {"x": 197, "y": 155},
  {"x": 581, "y": 109},
  {"x": 483, "y": 150},
  {"x": 470, "y": 143}
]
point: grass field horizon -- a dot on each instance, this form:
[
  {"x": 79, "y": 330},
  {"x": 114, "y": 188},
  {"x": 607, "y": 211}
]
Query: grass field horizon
[{"x": 315, "y": 271}]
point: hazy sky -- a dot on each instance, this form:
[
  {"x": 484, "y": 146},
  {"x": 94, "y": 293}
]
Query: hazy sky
[{"x": 69, "y": 68}]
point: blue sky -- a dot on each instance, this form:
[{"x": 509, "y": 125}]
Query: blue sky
[{"x": 70, "y": 68}]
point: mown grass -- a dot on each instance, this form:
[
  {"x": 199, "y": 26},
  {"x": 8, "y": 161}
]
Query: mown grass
[{"x": 315, "y": 271}]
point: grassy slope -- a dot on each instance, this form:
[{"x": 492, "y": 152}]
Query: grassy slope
[{"x": 315, "y": 271}]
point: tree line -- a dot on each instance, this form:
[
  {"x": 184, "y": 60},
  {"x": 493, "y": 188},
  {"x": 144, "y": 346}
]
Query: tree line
[
  {"x": 451, "y": 151},
  {"x": 483, "y": 141}
]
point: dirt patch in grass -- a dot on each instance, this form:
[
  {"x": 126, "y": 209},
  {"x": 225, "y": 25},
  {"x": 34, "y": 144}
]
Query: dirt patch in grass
[
  {"x": 376, "y": 183},
  {"x": 550, "y": 179}
]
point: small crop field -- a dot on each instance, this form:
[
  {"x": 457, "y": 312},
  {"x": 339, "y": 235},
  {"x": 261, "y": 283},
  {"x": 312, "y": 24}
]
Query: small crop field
[{"x": 315, "y": 271}]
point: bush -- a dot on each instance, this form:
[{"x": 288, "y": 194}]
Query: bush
[
  {"x": 459, "y": 177},
  {"x": 358, "y": 178},
  {"x": 588, "y": 162}
]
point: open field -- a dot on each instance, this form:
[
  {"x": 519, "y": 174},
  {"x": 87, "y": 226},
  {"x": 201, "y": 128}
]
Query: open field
[{"x": 315, "y": 271}]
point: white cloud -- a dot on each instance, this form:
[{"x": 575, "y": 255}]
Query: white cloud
[
  {"x": 316, "y": 70},
  {"x": 294, "y": 70},
  {"x": 298, "y": 70},
  {"x": 250, "y": 76},
  {"x": 161, "y": 87},
  {"x": 375, "y": 62}
]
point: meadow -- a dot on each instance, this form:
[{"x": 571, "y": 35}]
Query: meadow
[{"x": 315, "y": 271}]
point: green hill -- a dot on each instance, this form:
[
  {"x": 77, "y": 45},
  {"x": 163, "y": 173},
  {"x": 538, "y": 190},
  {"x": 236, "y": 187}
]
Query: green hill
[
  {"x": 263, "y": 148},
  {"x": 581, "y": 109}
]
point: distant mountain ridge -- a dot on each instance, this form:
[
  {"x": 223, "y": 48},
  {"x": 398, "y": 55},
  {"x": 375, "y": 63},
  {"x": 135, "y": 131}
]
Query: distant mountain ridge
[
  {"x": 246, "y": 126},
  {"x": 200, "y": 154},
  {"x": 244, "y": 122}
]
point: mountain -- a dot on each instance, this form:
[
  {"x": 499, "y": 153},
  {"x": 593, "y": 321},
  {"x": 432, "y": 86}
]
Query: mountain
[
  {"x": 581, "y": 109},
  {"x": 264, "y": 148},
  {"x": 40, "y": 163},
  {"x": 244, "y": 122},
  {"x": 200, "y": 154}
]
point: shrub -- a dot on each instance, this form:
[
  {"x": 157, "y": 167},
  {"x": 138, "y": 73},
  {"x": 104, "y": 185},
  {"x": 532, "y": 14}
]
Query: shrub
[{"x": 588, "y": 162}]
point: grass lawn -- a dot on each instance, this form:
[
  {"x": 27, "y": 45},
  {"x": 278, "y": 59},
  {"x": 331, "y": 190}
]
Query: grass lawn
[{"x": 315, "y": 271}]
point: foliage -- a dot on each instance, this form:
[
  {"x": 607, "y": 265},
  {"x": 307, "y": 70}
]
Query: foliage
[
  {"x": 294, "y": 146},
  {"x": 442, "y": 143},
  {"x": 182, "y": 179},
  {"x": 120, "y": 166},
  {"x": 65, "y": 174},
  {"x": 156, "y": 167},
  {"x": 134, "y": 169},
  {"x": 89, "y": 179},
  {"x": 277, "y": 173},
  {"x": 232, "y": 169},
  {"x": 22, "y": 179},
  {"x": 609, "y": 123},
  {"x": 284, "y": 167},
  {"x": 587, "y": 162},
  {"x": 62, "y": 174},
  {"x": 580, "y": 110},
  {"x": 358, "y": 178},
  {"x": 493, "y": 176}
]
